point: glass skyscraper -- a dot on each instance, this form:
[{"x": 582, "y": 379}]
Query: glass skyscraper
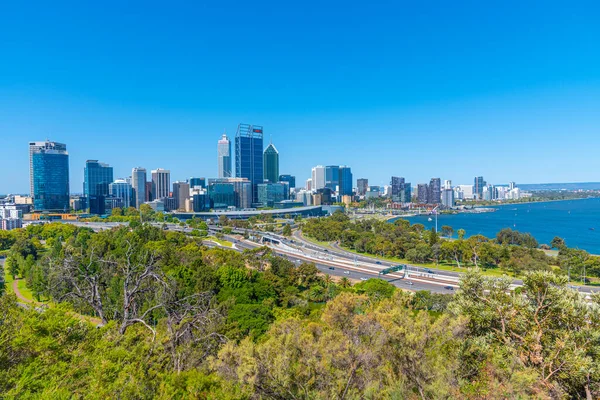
[
  {"x": 290, "y": 179},
  {"x": 224, "y": 157},
  {"x": 332, "y": 177},
  {"x": 96, "y": 178},
  {"x": 49, "y": 175},
  {"x": 121, "y": 189},
  {"x": 138, "y": 183},
  {"x": 271, "y": 164},
  {"x": 345, "y": 181},
  {"x": 249, "y": 155}
]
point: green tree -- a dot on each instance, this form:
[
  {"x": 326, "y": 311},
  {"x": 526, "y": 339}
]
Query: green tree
[
  {"x": 447, "y": 231},
  {"x": 287, "y": 230},
  {"x": 557, "y": 242}
]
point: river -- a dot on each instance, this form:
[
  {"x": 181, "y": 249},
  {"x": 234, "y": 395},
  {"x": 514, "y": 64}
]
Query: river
[{"x": 576, "y": 221}]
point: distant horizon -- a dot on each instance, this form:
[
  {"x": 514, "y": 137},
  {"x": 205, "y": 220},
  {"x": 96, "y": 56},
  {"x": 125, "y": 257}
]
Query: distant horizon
[{"x": 412, "y": 185}]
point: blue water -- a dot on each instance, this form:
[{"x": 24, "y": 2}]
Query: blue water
[{"x": 571, "y": 220}]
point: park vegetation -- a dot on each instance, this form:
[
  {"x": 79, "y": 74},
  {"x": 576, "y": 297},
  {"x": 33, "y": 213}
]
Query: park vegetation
[
  {"x": 176, "y": 319},
  {"x": 511, "y": 252}
]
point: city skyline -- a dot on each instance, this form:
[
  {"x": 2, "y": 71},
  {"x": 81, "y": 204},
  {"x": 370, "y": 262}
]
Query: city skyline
[{"x": 481, "y": 98}]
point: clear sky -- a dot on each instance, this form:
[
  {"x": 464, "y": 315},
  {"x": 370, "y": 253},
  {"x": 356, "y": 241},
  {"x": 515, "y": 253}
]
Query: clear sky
[{"x": 509, "y": 90}]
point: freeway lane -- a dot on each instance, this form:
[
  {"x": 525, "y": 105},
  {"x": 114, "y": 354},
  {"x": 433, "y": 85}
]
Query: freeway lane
[{"x": 340, "y": 270}]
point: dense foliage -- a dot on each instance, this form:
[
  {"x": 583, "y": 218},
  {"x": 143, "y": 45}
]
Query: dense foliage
[
  {"x": 510, "y": 251},
  {"x": 180, "y": 320}
]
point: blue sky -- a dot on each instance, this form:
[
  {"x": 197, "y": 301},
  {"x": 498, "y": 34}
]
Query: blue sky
[{"x": 446, "y": 89}]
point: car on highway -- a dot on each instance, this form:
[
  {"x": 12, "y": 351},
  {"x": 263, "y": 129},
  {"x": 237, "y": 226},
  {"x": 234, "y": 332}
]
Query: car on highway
[
  {"x": 331, "y": 268},
  {"x": 409, "y": 283},
  {"x": 325, "y": 250},
  {"x": 347, "y": 272},
  {"x": 378, "y": 262},
  {"x": 448, "y": 288},
  {"x": 429, "y": 271},
  {"x": 364, "y": 279}
]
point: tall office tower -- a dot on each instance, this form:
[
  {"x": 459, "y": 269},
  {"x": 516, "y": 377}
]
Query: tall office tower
[
  {"x": 161, "y": 183},
  {"x": 249, "y": 155},
  {"x": 271, "y": 164},
  {"x": 448, "y": 198},
  {"x": 434, "y": 194},
  {"x": 332, "y": 177},
  {"x": 397, "y": 184},
  {"x": 290, "y": 179},
  {"x": 478, "y": 185},
  {"x": 181, "y": 192},
  {"x": 361, "y": 186},
  {"x": 405, "y": 193},
  {"x": 138, "y": 183},
  {"x": 345, "y": 181},
  {"x": 511, "y": 185},
  {"x": 121, "y": 189},
  {"x": 318, "y": 177},
  {"x": 447, "y": 184},
  {"x": 49, "y": 175},
  {"x": 96, "y": 178},
  {"x": 224, "y": 157},
  {"x": 309, "y": 184},
  {"x": 198, "y": 182},
  {"x": 149, "y": 191},
  {"x": 422, "y": 193}
]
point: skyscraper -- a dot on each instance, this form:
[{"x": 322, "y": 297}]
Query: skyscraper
[
  {"x": 181, "y": 192},
  {"x": 249, "y": 155},
  {"x": 361, "y": 186},
  {"x": 422, "y": 193},
  {"x": 96, "y": 178},
  {"x": 345, "y": 181},
  {"x": 49, "y": 175},
  {"x": 332, "y": 177},
  {"x": 478, "y": 185},
  {"x": 318, "y": 177},
  {"x": 224, "y": 157},
  {"x": 161, "y": 183},
  {"x": 138, "y": 183},
  {"x": 434, "y": 193},
  {"x": 290, "y": 179},
  {"x": 271, "y": 164},
  {"x": 122, "y": 190},
  {"x": 397, "y": 184},
  {"x": 198, "y": 182},
  {"x": 448, "y": 198}
]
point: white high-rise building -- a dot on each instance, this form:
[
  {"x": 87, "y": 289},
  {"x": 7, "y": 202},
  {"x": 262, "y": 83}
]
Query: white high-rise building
[
  {"x": 309, "y": 184},
  {"x": 318, "y": 177},
  {"x": 122, "y": 190},
  {"x": 447, "y": 184},
  {"x": 161, "y": 183},
  {"x": 138, "y": 183},
  {"x": 224, "y": 157},
  {"x": 467, "y": 191}
]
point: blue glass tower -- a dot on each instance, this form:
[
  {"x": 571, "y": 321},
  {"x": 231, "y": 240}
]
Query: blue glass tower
[
  {"x": 96, "y": 178},
  {"x": 249, "y": 155},
  {"x": 345, "y": 174},
  {"x": 49, "y": 176}
]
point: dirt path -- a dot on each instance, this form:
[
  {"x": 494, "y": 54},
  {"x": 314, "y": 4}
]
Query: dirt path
[{"x": 85, "y": 318}]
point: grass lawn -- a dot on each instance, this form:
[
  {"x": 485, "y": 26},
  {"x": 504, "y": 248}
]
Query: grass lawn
[
  {"x": 318, "y": 243},
  {"x": 224, "y": 243},
  {"x": 442, "y": 266},
  {"x": 8, "y": 280}
]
